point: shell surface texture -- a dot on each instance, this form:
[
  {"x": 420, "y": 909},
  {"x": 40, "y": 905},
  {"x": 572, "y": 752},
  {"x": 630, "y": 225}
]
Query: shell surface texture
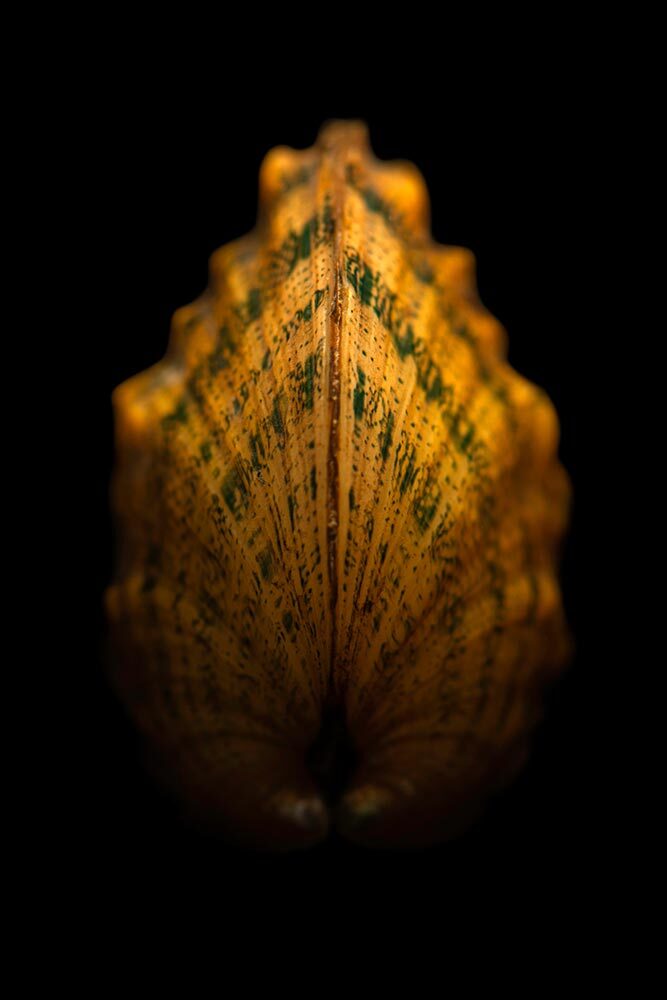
[{"x": 335, "y": 500}]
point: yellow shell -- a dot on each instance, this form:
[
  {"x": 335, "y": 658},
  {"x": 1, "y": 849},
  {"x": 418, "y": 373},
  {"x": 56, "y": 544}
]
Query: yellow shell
[{"x": 335, "y": 499}]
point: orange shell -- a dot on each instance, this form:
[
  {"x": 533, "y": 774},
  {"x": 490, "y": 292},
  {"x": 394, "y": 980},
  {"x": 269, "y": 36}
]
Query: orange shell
[{"x": 335, "y": 497}]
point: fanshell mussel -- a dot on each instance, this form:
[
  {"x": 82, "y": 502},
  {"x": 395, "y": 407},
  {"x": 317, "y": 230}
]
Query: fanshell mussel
[{"x": 335, "y": 499}]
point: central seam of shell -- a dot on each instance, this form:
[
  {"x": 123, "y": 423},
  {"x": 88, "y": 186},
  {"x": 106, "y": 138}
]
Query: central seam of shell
[{"x": 333, "y": 497}]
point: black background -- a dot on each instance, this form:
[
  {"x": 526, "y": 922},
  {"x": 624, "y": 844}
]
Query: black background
[{"x": 163, "y": 183}]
